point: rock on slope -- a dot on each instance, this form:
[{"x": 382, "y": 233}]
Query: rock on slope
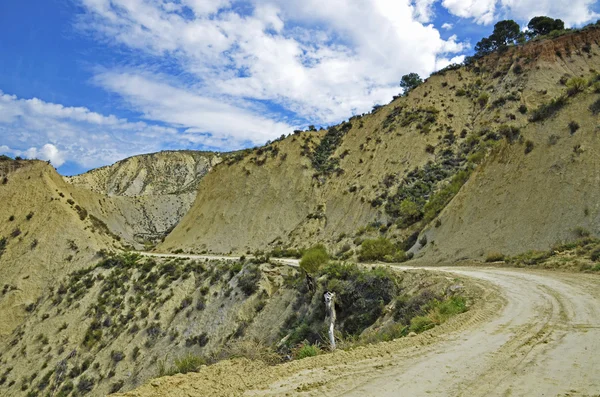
[
  {"x": 354, "y": 181},
  {"x": 149, "y": 193}
]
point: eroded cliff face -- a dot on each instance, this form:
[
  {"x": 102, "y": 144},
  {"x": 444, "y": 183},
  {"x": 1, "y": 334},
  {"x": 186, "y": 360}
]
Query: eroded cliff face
[
  {"x": 393, "y": 171},
  {"x": 145, "y": 196}
]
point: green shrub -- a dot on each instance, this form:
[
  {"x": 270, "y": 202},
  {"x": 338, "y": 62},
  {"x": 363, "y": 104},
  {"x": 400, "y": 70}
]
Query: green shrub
[
  {"x": 451, "y": 307},
  {"x": 573, "y": 127},
  {"x": 595, "y": 254},
  {"x": 362, "y": 295},
  {"x": 440, "y": 199},
  {"x": 576, "y": 85},
  {"x": 85, "y": 384},
  {"x": 307, "y": 350},
  {"x": 529, "y": 145},
  {"x": 117, "y": 356},
  {"x": 3, "y": 244},
  {"x": 116, "y": 386},
  {"x": 314, "y": 258},
  {"x": 376, "y": 249},
  {"x": 409, "y": 213},
  {"x": 321, "y": 157},
  {"x": 494, "y": 257},
  {"x": 511, "y": 133},
  {"x": 595, "y": 107},
  {"x": 549, "y": 109},
  {"x": 420, "y": 324},
  {"x": 483, "y": 99},
  {"x": 522, "y": 109}
]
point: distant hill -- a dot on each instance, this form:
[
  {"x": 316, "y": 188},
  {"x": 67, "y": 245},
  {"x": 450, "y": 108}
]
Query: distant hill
[{"x": 150, "y": 193}]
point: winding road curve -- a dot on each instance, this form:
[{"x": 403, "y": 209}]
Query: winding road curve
[
  {"x": 544, "y": 341},
  {"x": 535, "y": 333}
]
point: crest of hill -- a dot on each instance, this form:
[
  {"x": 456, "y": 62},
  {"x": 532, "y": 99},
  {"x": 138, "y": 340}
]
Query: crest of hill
[
  {"x": 166, "y": 172},
  {"x": 525, "y": 176}
]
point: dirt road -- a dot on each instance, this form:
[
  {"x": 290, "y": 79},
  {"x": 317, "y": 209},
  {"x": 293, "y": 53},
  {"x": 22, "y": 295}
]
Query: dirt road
[
  {"x": 533, "y": 334},
  {"x": 283, "y": 261}
]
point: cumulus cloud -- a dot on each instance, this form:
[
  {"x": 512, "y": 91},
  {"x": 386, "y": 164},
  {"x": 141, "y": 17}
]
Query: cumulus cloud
[
  {"x": 575, "y": 12},
  {"x": 447, "y": 26},
  {"x": 91, "y": 139},
  {"x": 307, "y": 57},
  {"x": 228, "y": 124},
  {"x": 47, "y": 152}
]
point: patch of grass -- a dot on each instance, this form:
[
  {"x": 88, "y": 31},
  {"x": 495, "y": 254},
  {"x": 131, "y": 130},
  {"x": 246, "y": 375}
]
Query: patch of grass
[
  {"x": 306, "y": 350},
  {"x": 421, "y": 324},
  {"x": 182, "y": 365}
]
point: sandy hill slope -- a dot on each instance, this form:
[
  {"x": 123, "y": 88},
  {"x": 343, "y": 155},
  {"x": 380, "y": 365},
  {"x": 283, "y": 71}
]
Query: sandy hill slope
[
  {"x": 391, "y": 172},
  {"x": 147, "y": 194},
  {"x": 44, "y": 234},
  {"x": 126, "y": 319}
]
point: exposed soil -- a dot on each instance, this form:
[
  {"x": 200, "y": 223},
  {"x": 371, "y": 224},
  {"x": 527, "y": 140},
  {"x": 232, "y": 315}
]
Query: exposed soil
[{"x": 532, "y": 333}]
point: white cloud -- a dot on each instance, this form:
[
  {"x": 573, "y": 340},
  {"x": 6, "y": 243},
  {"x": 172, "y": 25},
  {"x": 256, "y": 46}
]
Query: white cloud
[
  {"x": 575, "y": 12},
  {"x": 447, "y": 26},
  {"x": 322, "y": 61},
  {"x": 229, "y": 125},
  {"x": 47, "y": 152},
  {"x": 39, "y": 129},
  {"x": 481, "y": 11},
  {"x": 424, "y": 10}
]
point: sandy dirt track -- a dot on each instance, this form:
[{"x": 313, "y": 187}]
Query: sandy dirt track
[{"x": 533, "y": 333}]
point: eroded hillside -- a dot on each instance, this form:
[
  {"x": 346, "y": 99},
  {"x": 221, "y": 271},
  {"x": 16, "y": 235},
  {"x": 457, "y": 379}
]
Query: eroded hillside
[
  {"x": 44, "y": 234},
  {"x": 525, "y": 168},
  {"x": 125, "y": 319},
  {"x": 148, "y": 194}
]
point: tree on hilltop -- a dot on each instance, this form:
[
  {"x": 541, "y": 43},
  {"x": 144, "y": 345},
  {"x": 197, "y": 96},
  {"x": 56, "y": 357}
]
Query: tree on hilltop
[
  {"x": 542, "y": 25},
  {"x": 410, "y": 81}
]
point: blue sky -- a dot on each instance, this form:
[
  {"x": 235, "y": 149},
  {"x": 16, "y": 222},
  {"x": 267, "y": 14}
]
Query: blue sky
[{"x": 84, "y": 83}]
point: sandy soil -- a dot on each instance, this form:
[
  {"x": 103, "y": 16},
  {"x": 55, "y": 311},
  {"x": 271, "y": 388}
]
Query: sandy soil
[{"x": 532, "y": 334}]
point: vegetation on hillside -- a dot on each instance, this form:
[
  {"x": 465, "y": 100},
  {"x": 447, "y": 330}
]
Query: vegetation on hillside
[
  {"x": 581, "y": 254},
  {"x": 103, "y": 321}
]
